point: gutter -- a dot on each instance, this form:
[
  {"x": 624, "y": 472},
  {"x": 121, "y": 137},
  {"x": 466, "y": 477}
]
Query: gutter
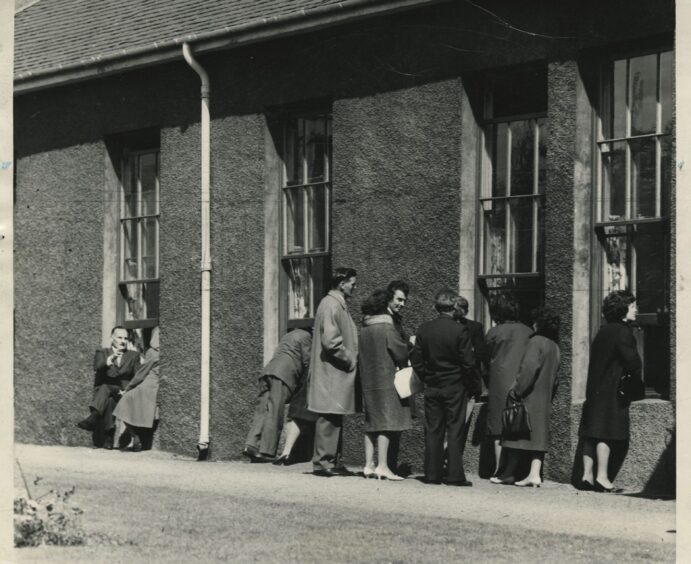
[
  {"x": 228, "y": 37},
  {"x": 205, "y": 380}
]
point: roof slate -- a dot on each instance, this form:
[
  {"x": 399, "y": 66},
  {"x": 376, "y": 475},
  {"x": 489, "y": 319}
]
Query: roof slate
[{"x": 52, "y": 33}]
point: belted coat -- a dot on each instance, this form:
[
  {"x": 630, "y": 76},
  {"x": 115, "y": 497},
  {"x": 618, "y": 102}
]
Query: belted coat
[{"x": 333, "y": 363}]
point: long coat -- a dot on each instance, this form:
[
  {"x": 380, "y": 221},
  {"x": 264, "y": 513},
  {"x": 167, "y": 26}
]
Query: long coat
[
  {"x": 536, "y": 384},
  {"x": 505, "y": 345},
  {"x": 333, "y": 363},
  {"x": 612, "y": 354},
  {"x": 137, "y": 406},
  {"x": 382, "y": 351},
  {"x": 290, "y": 363}
]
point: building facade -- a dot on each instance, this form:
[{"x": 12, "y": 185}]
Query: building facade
[{"x": 485, "y": 146}]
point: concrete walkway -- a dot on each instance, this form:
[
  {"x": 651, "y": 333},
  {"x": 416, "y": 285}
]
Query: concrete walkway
[{"x": 553, "y": 508}]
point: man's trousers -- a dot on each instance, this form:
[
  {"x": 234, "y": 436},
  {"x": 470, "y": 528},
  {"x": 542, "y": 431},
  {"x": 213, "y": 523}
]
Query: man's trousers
[
  {"x": 328, "y": 443},
  {"x": 267, "y": 422}
]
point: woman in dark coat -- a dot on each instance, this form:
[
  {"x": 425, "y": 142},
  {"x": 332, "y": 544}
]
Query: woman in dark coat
[
  {"x": 382, "y": 351},
  {"x": 535, "y": 385},
  {"x": 606, "y": 414},
  {"x": 505, "y": 345}
]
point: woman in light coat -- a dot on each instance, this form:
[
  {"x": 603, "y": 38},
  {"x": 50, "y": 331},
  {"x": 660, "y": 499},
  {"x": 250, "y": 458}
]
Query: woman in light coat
[{"x": 382, "y": 352}]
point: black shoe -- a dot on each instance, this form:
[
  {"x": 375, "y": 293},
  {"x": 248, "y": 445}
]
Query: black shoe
[
  {"x": 283, "y": 460},
  {"x": 250, "y": 453},
  {"x": 108, "y": 443},
  {"x": 598, "y": 487},
  {"x": 260, "y": 458},
  {"x": 332, "y": 472},
  {"x": 431, "y": 482},
  {"x": 460, "y": 483},
  {"x": 586, "y": 486},
  {"x": 88, "y": 423},
  {"x": 136, "y": 444}
]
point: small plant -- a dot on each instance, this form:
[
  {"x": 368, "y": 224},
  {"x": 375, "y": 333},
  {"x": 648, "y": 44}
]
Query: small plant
[{"x": 49, "y": 519}]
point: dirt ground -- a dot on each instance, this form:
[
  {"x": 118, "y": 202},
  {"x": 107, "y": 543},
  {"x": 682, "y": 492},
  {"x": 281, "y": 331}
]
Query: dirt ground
[{"x": 158, "y": 507}]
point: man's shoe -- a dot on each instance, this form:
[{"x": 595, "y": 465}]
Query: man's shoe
[
  {"x": 331, "y": 472},
  {"x": 88, "y": 423},
  {"x": 260, "y": 458},
  {"x": 108, "y": 443},
  {"x": 250, "y": 452},
  {"x": 460, "y": 484},
  {"x": 283, "y": 460}
]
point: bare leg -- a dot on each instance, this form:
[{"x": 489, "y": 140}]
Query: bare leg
[
  {"x": 497, "y": 455},
  {"x": 588, "y": 461},
  {"x": 292, "y": 434},
  {"x": 533, "y": 478},
  {"x": 383, "y": 470},
  {"x": 602, "y": 451},
  {"x": 508, "y": 475},
  {"x": 369, "y": 452}
]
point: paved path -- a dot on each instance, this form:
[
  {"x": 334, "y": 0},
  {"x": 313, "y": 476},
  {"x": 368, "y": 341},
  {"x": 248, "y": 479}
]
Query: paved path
[{"x": 553, "y": 508}]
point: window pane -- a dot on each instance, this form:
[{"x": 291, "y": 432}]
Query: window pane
[
  {"x": 522, "y": 157},
  {"x": 643, "y": 176},
  {"x": 616, "y": 261},
  {"x": 643, "y": 94},
  {"x": 300, "y": 288},
  {"x": 542, "y": 156},
  {"x": 619, "y": 88},
  {"x": 315, "y": 149},
  {"x": 130, "y": 249},
  {"x": 317, "y": 205},
  {"x": 666, "y": 170},
  {"x": 613, "y": 181},
  {"x": 666, "y": 85},
  {"x": 494, "y": 213},
  {"x": 651, "y": 246},
  {"x": 500, "y": 134},
  {"x": 147, "y": 175},
  {"x": 140, "y": 300},
  {"x": 292, "y": 156},
  {"x": 149, "y": 248},
  {"x": 129, "y": 187},
  {"x": 295, "y": 220},
  {"x": 521, "y": 247}
]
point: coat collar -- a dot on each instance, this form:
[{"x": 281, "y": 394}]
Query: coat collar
[
  {"x": 338, "y": 297},
  {"x": 377, "y": 319}
]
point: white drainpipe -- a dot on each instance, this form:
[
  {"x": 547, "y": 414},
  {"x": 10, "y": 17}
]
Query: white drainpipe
[{"x": 203, "y": 444}]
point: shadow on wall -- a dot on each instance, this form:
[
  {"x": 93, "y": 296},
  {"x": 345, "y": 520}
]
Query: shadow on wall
[{"x": 661, "y": 481}]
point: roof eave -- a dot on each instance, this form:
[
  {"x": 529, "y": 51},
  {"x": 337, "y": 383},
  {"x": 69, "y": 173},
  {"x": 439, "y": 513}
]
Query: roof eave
[{"x": 229, "y": 38}]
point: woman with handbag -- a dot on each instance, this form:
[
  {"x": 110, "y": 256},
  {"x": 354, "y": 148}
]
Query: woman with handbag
[
  {"x": 534, "y": 388},
  {"x": 382, "y": 351},
  {"x": 505, "y": 345},
  {"x": 613, "y": 358}
]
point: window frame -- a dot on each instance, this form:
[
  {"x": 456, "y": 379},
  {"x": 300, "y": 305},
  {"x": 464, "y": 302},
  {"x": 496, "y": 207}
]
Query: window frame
[
  {"x": 129, "y": 157},
  {"x": 629, "y": 223},
  {"x": 511, "y": 280},
  {"x": 285, "y": 257}
]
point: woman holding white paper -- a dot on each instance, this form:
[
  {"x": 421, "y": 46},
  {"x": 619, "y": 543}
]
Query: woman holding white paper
[{"x": 382, "y": 351}]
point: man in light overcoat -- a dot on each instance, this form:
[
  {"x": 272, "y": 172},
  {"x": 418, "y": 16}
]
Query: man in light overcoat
[{"x": 332, "y": 371}]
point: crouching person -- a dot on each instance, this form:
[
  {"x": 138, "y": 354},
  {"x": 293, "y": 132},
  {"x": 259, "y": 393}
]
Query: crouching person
[
  {"x": 114, "y": 367},
  {"x": 137, "y": 407},
  {"x": 277, "y": 384}
]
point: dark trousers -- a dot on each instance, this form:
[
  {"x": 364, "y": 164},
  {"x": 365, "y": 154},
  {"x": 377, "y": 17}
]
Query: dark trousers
[
  {"x": 267, "y": 422},
  {"x": 105, "y": 399},
  {"x": 327, "y": 441},
  {"x": 444, "y": 412}
]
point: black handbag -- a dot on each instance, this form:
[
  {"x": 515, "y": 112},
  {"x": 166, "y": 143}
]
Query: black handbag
[
  {"x": 630, "y": 388},
  {"x": 515, "y": 420}
]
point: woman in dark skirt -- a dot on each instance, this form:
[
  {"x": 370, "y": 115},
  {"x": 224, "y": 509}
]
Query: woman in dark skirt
[
  {"x": 505, "y": 345},
  {"x": 606, "y": 414},
  {"x": 535, "y": 385},
  {"x": 381, "y": 351}
]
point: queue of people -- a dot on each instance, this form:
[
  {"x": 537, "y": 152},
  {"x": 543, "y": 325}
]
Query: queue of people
[{"x": 331, "y": 369}]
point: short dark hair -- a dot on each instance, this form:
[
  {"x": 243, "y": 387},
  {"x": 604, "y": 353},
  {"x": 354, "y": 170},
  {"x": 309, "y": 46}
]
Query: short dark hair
[
  {"x": 503, "y": 308},
  {"x": 376, "y": 303},
  {"x": 462, "y": 303},
  {"x": 114, "y": 329},
  {"x": 616, "y": 304},
  {"x": 340, "y": 275},
  {"x": 546, "y": 323},
  {"x": 397, "y": 285},
  {"x": 445, "y": 300}
]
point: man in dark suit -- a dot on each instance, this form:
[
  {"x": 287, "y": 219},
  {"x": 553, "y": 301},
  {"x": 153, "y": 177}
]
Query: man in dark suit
[
  {"x": 477, "y": 341},
  {"x": 114, "y": 367},
  {"x": 278, "y": 382},
  {"x": 443, "y": 359}
]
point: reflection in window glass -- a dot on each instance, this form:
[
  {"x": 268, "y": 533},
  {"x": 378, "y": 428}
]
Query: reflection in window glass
[
  {"x": 295, "y": 220},
  {"x": 619, "y": 97},
  {"x": 643, "y": 94},
  {"x": 522, "y": 157},
  {"x": 499, "y": 159},
  {"x": 643, "y": 176},
  {"x": 495, "y": 236},
  {"x": 613, "y": 181},
  {"x": 522, "y": 236}
]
